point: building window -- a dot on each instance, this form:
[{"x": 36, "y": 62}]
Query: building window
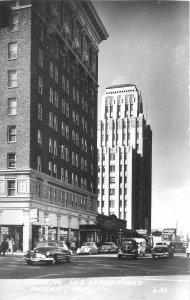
[
  {"x": 51, "y": 69},
  {"x": 51, "y": 194},
  {"x": 40, "y": 137},
  {"x": 56, "y": 99},
  {"x": 73, "y": 136},
  {"x": 67, "y": 87},
  {"x": 51, "y": 95},
  {"x": 12, "y": 78},
  {"x": 11, "y": 187},
  {"x": 77, "y": 160},
  {"x": 67, "y": 109},
  {"x": 82, "y": 163},
  {"x": 50, "y": 168},
  {"x": 12, "y": 50},
  {"x": 77, "y": 97},
  {"x": 38, "y": 190},
  {"x": 50, "y": 145},
  {"x": 63, "y": 105},
  {"x": 12, "y": 106},
  {"x": 55, "y": 170},
  {"x": 39, "y": 163},
  {"x": 73, "y": 158},
  {"x": 56, "y": 75},
  {"x": 77, "y": 139},
  {"x": 55, "y": 123},
  {"x": 11, "y": 160},
  {"x": 40, "y": 58},
  {"x": 14, "y": 23},
  {"x": 112, "y": 204},
  {"x": 50, "y": 120},
  {"x": 41, "y": 33},
  {"x": 77, "y": 118},
  {"x": 11, "y": 133},
  {"x": 39, "y": 111},
  {"x": 55, "y": 148},
  {"x": 63, "y": 152},
  {"x": 63, "y": 128},
  {"x": 66, "y": 180},
  {"x": 85, "y": 165},
  {"x": 67, "y": 132},
  {"x": 62, "y": 174},
  {"x": 63, "y": 82},
  {"x": 67, "y": 154},
  {"x": 91, "y": 169},
  {"x": 40, "y": 85}
]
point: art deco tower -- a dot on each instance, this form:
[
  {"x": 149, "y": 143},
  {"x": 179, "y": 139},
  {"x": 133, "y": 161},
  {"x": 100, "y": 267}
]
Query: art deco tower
[{"x": 124, "y": 157}]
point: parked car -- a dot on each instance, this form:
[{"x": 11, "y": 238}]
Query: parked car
[
  {"x": 88, "y": 248},
  {"x": 128, "y": 248},
  {"x": 108, "y": 247},
  {"x": 179, "y": 247},
  {"x": 162, "y": 249},
  {"x": 188, "y": 249},
  {"x": 48, "y": 254}
]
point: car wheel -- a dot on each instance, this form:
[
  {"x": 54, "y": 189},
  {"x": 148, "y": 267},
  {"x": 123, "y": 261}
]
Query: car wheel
[
  {"x": 135, "y": 257},
  {"x": 119, "y": 256},
  {"x": 54, "y": 260},
  {"x": 187, "y": 254},
  {"x": 153, "y": 256},
  {"x": 29, "y": 263},
  {"x": 68, "y": 260}
]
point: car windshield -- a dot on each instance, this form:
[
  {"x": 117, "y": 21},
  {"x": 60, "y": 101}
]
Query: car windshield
[
  {"x": 87, "y": 244},
  {"x": 106, "y": 244},
  {"x": 128, "y": 243},
  {"x": 44, "y": 249}
]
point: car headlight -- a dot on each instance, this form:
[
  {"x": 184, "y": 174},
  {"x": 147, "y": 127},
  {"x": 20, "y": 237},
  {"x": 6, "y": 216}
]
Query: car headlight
[{"x": 48, "y": 253}]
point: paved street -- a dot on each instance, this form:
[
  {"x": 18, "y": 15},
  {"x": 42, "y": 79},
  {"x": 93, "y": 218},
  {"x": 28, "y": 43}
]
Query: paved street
[
  {"x": 96, "y": 277},
  {"x": 14, "y": 267}
]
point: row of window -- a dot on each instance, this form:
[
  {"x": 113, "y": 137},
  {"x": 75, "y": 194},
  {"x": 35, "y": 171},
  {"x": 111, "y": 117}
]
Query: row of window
[{"x": 54, "y": 195}]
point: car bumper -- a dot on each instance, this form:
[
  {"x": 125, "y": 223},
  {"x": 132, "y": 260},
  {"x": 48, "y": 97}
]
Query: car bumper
[
  {"x": 161, "y": 254},
  {"x": 127, "y": 254},
  {"x": 38, "y": 259}
]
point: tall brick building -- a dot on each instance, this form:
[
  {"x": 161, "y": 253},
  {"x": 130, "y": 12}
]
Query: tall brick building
[
  {"x": 125, "y": 158},
  {"x": 48, "y": 119}
]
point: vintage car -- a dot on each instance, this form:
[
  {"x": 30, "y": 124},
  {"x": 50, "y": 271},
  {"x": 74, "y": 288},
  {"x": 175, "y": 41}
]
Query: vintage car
[
  {"x": 48, "y": 254},
  {"x": 162, "y": 250},
  {"x": 88, "y": 248},
  {"x": 108, "y": 247},
  {"x": 128, "y": 248}
]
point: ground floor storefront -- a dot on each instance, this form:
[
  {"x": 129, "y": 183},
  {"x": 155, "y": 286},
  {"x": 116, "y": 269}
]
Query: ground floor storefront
[{"x": 27, "y": 227}]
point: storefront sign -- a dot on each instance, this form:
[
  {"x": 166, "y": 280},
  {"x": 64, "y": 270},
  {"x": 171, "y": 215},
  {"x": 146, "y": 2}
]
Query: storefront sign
[{"x": 4, "y": 230}]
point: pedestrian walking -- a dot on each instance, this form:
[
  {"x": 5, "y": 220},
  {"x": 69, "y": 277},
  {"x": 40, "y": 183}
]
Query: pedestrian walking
[
  {"x": 3, "y": 248},
  {"x": 11, "y": 246}
]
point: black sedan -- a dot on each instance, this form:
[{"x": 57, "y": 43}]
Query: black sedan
[{"x": 48, "y": 254}]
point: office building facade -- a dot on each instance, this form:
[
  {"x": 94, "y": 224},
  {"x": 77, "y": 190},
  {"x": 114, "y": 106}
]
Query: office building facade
[
  {"x": 48, "y": 119},
  {"x": 124, "y": 157}
]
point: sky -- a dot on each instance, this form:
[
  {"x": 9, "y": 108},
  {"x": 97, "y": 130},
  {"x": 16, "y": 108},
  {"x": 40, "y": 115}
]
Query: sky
[{"x": 148, "y": 45}]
